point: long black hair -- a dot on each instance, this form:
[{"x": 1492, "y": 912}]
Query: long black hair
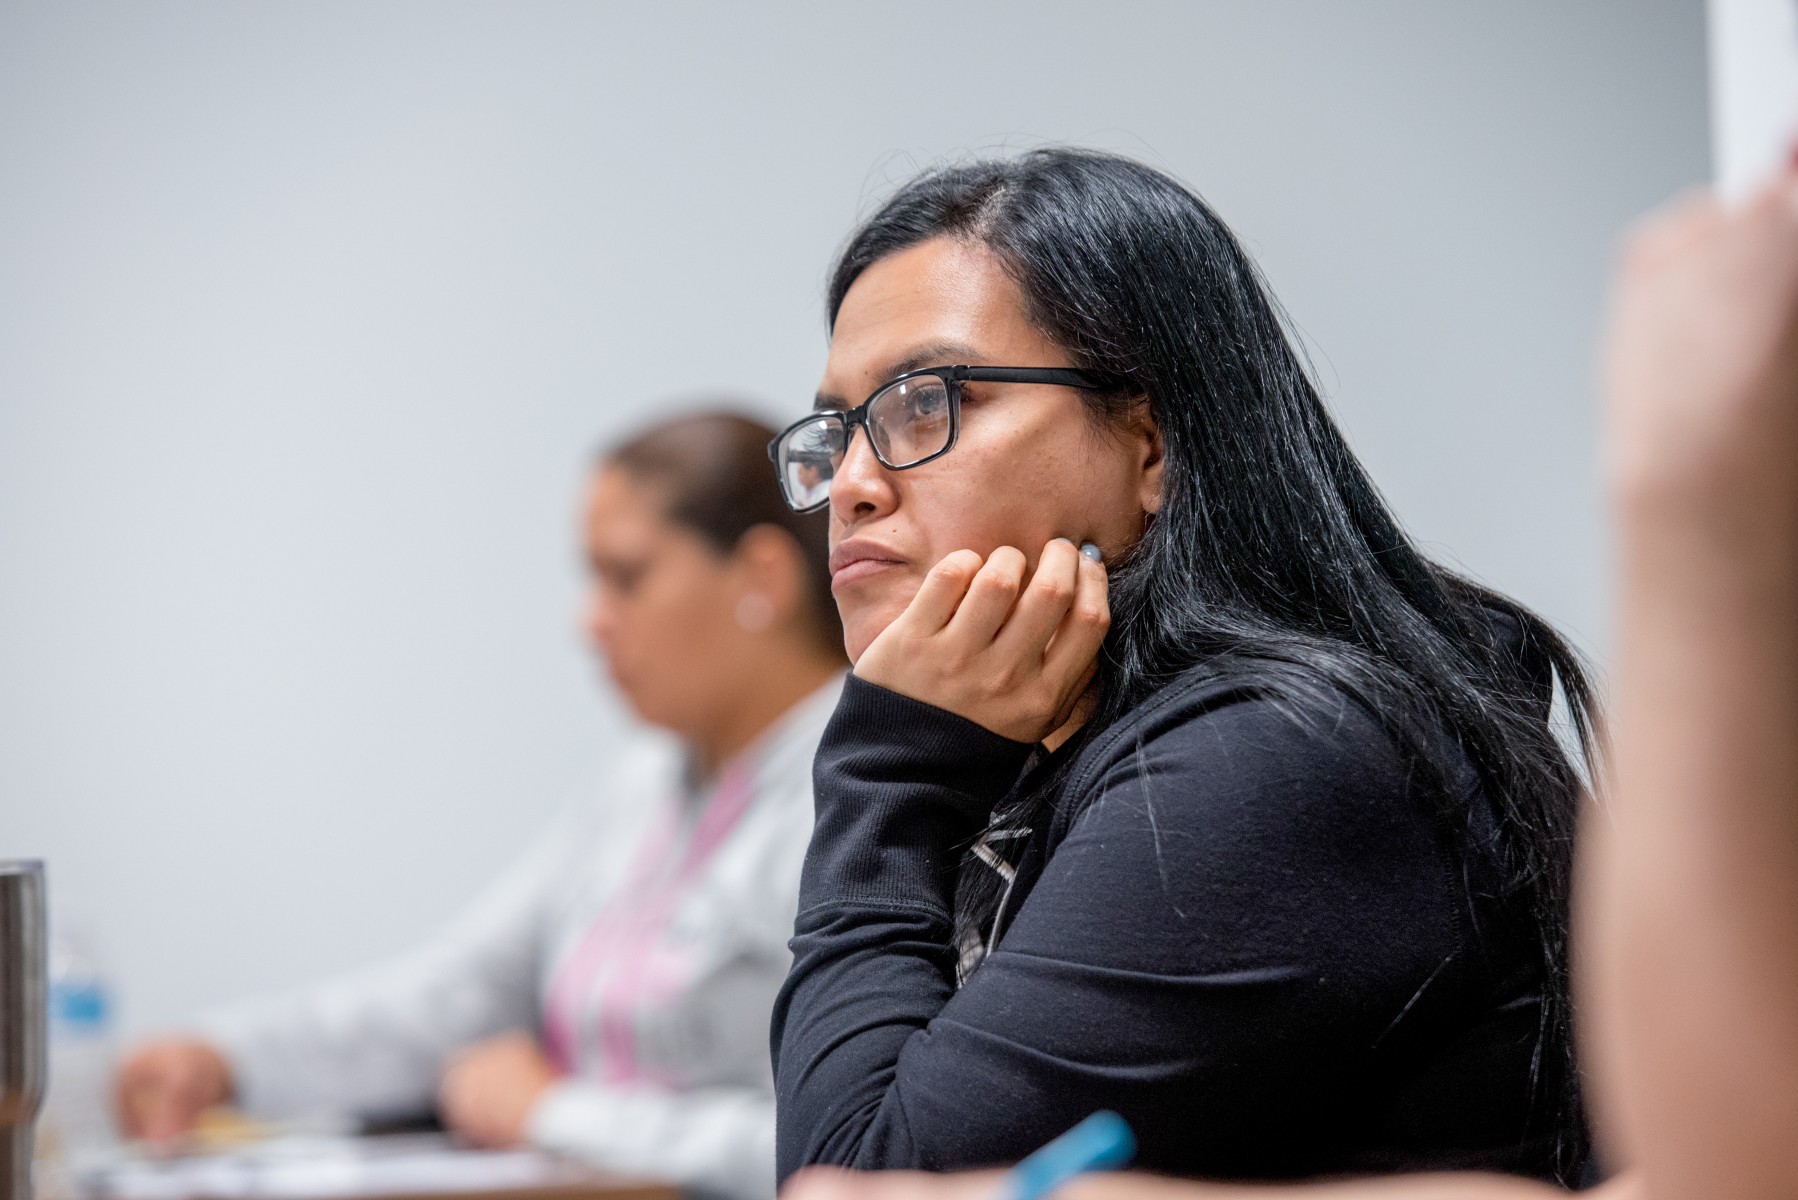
[{"x": 1273, "y": 557}]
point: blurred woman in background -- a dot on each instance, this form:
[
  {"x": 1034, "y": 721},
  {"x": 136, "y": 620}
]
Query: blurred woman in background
[{"x": 609, "y": 996}]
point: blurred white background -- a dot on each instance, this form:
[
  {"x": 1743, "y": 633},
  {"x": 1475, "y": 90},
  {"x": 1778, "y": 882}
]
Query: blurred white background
[{"x": 310, "y": 316}]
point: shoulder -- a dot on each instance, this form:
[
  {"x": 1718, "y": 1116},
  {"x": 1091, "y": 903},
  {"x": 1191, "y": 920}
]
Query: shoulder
[
  {"x": 610, "y": 809},
  {"x": 780, "y": 766},
  {"x": 770, "y": 842},
  {"x": 1259, "y": 788},
  {"x": 1232, "y": 820},
  {"x": 1239, "y": 731},
  {"x": 641, "y": 768},
  {"x": 782, "y": 758}
]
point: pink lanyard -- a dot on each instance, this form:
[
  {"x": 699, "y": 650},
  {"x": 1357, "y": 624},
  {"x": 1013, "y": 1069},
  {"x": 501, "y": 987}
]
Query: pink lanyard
[{"x": 625, "y": 933}]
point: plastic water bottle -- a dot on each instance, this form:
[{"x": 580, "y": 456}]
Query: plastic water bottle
[{"x": 76, "y": 1129}]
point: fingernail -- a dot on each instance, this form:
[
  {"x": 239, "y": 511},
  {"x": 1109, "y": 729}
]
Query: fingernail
[{"x": 1091, "y": 551}]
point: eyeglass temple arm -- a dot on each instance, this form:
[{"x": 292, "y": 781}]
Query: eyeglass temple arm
[{"x": 1058, "y": 375}]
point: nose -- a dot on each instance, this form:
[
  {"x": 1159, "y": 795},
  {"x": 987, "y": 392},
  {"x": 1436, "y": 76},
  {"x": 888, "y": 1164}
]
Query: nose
[{"x": 861, "y": 488}]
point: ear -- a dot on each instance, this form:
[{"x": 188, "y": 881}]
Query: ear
[
  {"x": 768, "y": 562},
  {"x": 1151, "y": 463}
]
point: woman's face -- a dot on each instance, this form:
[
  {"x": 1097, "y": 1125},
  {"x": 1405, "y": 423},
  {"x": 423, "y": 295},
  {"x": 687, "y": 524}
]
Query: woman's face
[
  {"x": 661, "y": 607},
  {"x": 1029, "y": 464}
]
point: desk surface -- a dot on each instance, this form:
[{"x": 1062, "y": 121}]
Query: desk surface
[{"x": 410, "y": 1167}]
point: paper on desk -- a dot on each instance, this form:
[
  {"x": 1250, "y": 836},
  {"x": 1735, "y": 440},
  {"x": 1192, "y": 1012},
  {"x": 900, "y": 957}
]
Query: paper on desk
[
  {"x": 318, "y": 1168},
  {"x": 1754, "y": 90}
]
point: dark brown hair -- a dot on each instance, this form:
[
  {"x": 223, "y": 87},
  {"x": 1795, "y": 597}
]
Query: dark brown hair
[{"x": 715, "y": 476}]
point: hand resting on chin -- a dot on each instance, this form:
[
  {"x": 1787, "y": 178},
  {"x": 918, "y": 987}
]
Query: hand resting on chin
[{"x": 1013, "y": 657}]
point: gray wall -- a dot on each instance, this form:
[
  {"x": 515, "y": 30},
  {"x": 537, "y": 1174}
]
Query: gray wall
[{"x": 309, "y": 315}]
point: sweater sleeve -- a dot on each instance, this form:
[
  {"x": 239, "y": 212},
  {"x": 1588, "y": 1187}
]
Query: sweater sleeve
[
  {"x": 372, "y": 1043},
  {"x": 1243, "y": 908}
]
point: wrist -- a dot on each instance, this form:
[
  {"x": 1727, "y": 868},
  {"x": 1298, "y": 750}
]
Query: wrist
[
  {"x": 529, "y": 1106},
  {"x": 901, "y": 789},
  {"x": 886, "y": 734},
  {"x": 540, "y": 1118}
]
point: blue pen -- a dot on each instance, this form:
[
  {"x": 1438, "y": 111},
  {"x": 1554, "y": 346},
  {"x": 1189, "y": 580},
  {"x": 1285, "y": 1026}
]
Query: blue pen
[{"x": 1102, "y": 1140}]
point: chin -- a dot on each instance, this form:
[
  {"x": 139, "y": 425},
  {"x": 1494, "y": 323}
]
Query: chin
[
  {"x": 645, "y": 712},
  {"x": 642, "y": 704},
  {"x": 860, "y": 629}
]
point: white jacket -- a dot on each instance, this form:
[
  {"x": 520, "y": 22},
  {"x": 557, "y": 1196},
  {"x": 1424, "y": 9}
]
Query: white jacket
[{"x": 642, "y": 939}]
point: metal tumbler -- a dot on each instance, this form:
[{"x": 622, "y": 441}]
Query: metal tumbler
[{"x": 24, "y": 1001}]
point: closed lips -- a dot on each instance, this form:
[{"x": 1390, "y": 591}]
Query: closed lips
[{"x": 852, "y": 560}]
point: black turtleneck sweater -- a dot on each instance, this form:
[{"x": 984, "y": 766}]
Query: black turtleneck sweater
[{"x": 1260, "y": 935}]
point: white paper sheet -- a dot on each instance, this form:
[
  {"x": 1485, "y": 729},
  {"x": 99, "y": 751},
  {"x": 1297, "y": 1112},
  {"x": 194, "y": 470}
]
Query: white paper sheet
[{"x": 322, "y": 1168}]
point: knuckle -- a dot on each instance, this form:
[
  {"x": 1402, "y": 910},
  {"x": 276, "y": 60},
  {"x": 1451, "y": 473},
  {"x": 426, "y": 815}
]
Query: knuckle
[
  {"x": 953, "y": 565},
  {"x": 997, "y": 582}
]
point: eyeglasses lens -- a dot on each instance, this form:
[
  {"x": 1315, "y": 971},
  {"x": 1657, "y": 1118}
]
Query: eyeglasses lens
[
  {"x": 909, "y": 421},
  {"x": 809, "y": 457}
]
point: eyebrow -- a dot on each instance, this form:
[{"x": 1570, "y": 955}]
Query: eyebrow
[{"x": 934, "y": 354}]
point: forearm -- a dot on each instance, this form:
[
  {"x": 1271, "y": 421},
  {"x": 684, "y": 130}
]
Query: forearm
[
  {"x": 826, "y": 1184},
  {"x": 1404, "y": 1187},
  {"x": 901, "y": 788},
  {"x": 864, "y": 984},
  {"x": 1694, "y": 876},
  {"x": 289, "y": 1060},
  {"x": 369, "y": 1045},
  {"x": 373, "y": 1043}
]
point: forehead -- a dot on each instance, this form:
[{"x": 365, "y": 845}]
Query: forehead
[
  {"x": 622, "y": 506},
  {"x": 941, "y": 295}
]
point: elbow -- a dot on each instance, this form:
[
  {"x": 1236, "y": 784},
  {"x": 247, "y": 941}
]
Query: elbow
[{"x": 860, "y": 1140}]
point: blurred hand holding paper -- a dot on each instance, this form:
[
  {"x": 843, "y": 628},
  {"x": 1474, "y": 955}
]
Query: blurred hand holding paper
[{"x": 1754, "y": 90}]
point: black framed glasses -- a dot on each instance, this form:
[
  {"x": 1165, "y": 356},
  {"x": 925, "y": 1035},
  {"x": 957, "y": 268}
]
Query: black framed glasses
[{"x": 910, "y": 420}]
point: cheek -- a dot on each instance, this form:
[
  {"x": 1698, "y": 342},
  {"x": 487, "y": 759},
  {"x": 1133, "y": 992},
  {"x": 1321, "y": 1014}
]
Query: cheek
[
  {"x": 691, "y": 615},
  {"x": 670, "y": 625},
  {"x": 1058, "y": 479},
  {"x": 666, "y": 656},
  {"x": 1020, "y": 492}
]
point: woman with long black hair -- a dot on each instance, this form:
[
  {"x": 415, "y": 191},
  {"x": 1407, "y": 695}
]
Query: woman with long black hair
[{"x": 1243, "y": 819}]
